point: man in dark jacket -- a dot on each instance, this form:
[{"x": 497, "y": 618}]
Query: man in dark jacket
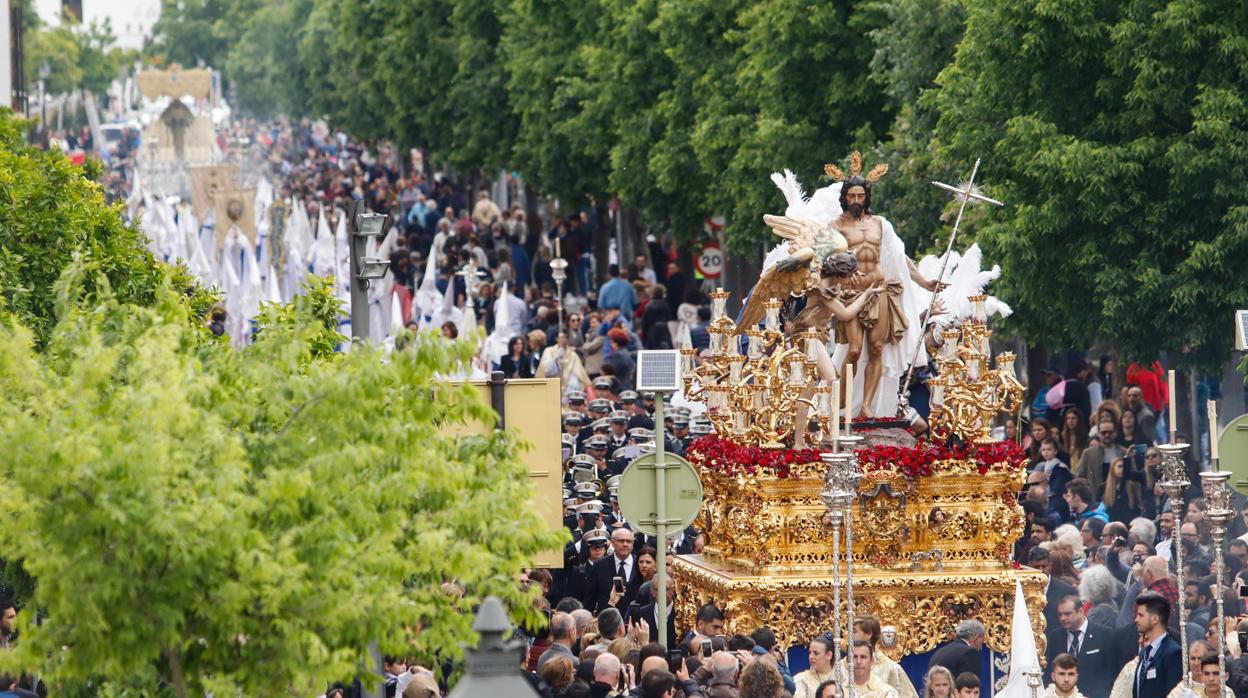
[
  {"x": 963, "y": 654},
  {"x": 1160, "y": 665},
  {"x": 1091, "y": 644},
  {"x": 1054, "y": 591},
  {"x": 602, "y": 575}
]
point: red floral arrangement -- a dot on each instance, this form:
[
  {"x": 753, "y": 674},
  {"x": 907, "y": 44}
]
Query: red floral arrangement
[
  {"x": 728, "y": 457},
  {"x": 918, "y": 460}
]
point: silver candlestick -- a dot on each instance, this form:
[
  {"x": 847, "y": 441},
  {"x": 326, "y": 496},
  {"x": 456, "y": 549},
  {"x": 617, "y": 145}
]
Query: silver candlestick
[
  {"x": 1175, "y": 483},
  {"x": 1033, "y": 680},
  {"x": 559, "y": 272},
  {"x": 839, "y": 494},
  {"x": 833, "y": 497},
  {"x": 1218, "y": 513}
]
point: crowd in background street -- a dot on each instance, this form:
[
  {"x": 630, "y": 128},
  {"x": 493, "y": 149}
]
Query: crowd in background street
[{"x": 1098, "y": 523}]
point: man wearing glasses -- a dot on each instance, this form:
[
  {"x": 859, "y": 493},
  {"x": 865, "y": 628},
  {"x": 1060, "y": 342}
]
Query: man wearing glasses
[{"x": 1094, "y": 463}]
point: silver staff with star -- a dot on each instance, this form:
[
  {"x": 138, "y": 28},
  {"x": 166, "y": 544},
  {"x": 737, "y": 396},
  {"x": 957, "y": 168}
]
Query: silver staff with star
[{"x": 969, "y": 193}]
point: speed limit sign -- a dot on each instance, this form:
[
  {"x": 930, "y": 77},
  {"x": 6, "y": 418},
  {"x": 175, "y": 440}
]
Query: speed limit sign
[{"x": 710, "y": 261}]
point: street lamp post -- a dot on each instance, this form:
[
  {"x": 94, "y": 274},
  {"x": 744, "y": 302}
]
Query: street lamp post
[
  {"x": 492, "y": 670},
  {"x": 364, "y": 268},
  {"x": 44, "y": 72}
]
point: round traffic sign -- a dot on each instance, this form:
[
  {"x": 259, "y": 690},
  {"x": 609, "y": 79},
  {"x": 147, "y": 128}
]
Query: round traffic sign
[
  {"x": 639, "y": 493},
  {"x": 1233, "y": 452},
  {"x": 710, "y": 261}
]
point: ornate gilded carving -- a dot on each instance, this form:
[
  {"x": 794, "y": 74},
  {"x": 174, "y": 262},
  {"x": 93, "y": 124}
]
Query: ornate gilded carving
[
  {"x": 928, "y": 552},
  {"x": 883, "y": 516},
  {"x": 779, "y": 525},
  {"x": 924, "y": 607},
  {"x": 966, "y": 394}
]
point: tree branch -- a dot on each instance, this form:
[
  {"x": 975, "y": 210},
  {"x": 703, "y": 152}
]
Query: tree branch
[
  {"x": 175, "y": 669},
  {"x": 289, "y": 420}
]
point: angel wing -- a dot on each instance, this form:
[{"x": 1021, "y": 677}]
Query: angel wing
[
  {"x": 779, "y": 281},
  {"x": 794, "y": 195},
  {"x": 800, "y": 232},
  {"x": 822, "y": 206}
]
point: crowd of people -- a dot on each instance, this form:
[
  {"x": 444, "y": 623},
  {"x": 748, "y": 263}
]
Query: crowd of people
[
  {"x": 1098, "y": 524},
  {"x": 459, "y": 259}
]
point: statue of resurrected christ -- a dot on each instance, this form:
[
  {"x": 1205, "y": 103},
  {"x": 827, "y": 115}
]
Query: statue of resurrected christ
[{"x": 887, "y": 326}]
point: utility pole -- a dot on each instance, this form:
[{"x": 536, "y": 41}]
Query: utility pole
[{"x": 362, "y": 227}]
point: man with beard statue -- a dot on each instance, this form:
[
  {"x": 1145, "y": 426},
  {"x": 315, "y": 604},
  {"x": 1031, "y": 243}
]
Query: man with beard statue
[
  {"x": 882, "y": 323},
  {"x": 887, "y": 327}
]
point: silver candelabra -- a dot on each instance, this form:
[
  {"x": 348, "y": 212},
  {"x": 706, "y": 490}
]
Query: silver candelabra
[
  {"x": 840, "y": 491},
  {"x": 1175, "y": 483},
  {"x": 1218, "y": 513}
]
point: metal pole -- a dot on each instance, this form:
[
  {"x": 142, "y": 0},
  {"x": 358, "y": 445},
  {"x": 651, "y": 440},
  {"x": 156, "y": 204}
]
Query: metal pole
[
  {"x": 832, "y": 497},
  {"x": 559, "y": 300},
  {"x": 1219, "y": 534},
  {"x": 849, "y": 590},
  {"x": 660, "y": 524},
  {"x": 850, "y": 442},
  {"x": 359, "y": 287},
  {"x": 903, "y": 392},
  {"x": 836, "y": 589}
]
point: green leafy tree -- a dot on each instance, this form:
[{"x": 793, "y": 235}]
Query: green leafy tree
[
  {"x": 420, "y": 112},
  {"x": 76, "y": 57},
  {"x": 1115, "y": 133},
  {"x": 483, "y": 124},
  {"x": 804, "y": 82},
  {"x": 628, "y": 96},
  {"x": 695, "y": 38},
  {"x": 755, "y": 87},
  {"x": 51, "y": 213},
  {"x": 95, "y": 56},
  {"x": 58, "y": 48},
  {"x": 246, "y": 523},
  {"x": 191, "y": 32},
  {"x": 911, "y": 48},
  {"x": 270, "y": 76},
  {"x": 541, "y": 48},
  {"x": 341, "y": 49}
]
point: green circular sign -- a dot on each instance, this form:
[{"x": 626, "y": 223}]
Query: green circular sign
[
  {"x": 1233, "y": 453},
  {"x": 639, "y": 499}
]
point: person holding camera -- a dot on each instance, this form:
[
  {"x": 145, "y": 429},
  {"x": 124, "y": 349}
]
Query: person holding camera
[{"x": 1237, "y": 668}]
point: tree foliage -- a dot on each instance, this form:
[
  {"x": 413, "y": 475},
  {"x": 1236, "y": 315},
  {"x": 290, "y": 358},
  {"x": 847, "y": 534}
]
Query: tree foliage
[
  {"x": 58, "y": 49},
  {"x": 76, "y": 57},
  {"x": 1115, "y": 132},
  {"x": 542, "y": 56},
  {"x": 267, "y": 65},
  {"x": 51, "y": 214},
  {"x": 200, "y": 519},
  {"x": 915, "y": 42},
  {"x": 1110, "y": 128},
  {"x": 194, "y": 32}
]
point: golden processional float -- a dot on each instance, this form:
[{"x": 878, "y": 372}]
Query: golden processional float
[{"x": 918, "y": 533}]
